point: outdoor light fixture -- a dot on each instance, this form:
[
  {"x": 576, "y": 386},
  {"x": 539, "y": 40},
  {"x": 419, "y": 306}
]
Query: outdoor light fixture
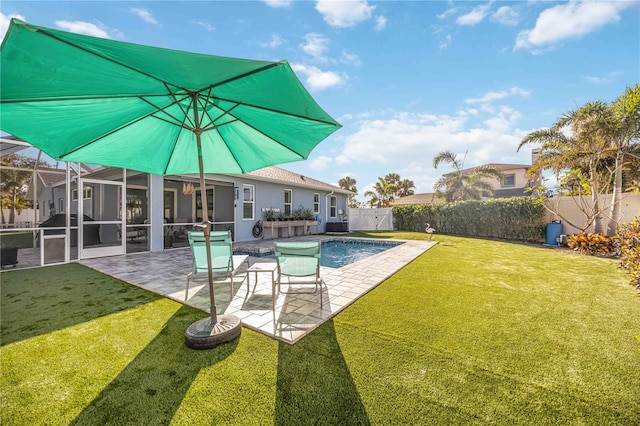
[{"x": 188, "y": 189}]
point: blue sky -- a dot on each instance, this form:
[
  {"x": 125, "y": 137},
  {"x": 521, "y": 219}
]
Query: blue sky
[{"x": 405, "y": 79}]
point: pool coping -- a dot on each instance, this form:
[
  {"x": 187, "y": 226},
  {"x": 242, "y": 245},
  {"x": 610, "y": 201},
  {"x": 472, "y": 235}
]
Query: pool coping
[{"x": 294, "y": 316}]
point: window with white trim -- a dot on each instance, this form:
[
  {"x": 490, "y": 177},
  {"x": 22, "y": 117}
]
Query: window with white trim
[
  {"x": 248, "y": 201},
  {"x": 316, "y": 203},
  {"x": 88, "y": 193},
  {"x": 333, "y": 206},
  {"x": 288, "y": 202}
]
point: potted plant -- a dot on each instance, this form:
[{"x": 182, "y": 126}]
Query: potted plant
[
  {"x": 308, "y": 214},
  {"x": 282, "y": 216},
  {"x": 301, "y": 213},
  {"x": 270, "y": 214}
]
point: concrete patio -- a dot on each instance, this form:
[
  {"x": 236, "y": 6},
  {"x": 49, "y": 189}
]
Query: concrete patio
[{"x": 294, "y": 316}]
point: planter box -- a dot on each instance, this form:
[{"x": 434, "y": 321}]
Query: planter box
[{"x": 8, "y": 256}]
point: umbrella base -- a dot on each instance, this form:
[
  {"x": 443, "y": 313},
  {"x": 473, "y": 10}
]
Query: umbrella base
[{"x": 204, "y": 335}]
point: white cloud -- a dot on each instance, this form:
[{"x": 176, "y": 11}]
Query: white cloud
[
  {"x": 474, "y": 17},
  {"x": 493, "y": 96},
  {"x": 381, "y": 23},
  {"x": 278, "y": 3},
  {"x": 317, "y": 79},
  {"x": 320, "y": 163},
  {"x": 602, "y": 79},
  {"x": 350, "y": 58},
  {"x": 344, "y": 14},
  {"x": 315, "y": 45},
  {"x": 207, "y": 26},
  {"x": 446, "y": 42},
  {"x": 507, "y": 15},
  {"x": 81, "y": 27},
  {"x": 409, "y": 142},
  {"x": 275, "y": 41},
  {"x": 5, "y": 20},
  {"x": 446, "y": 13},
  {"x": 570, "y": 21},
  {"x": 145, "y": 15}
]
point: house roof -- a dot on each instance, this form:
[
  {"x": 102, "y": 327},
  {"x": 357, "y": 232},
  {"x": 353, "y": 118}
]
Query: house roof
[
  {"x": 499, "y": 166},
  {"x": 53, "y": 177},
  {"x": 279, "y": 175},
  {"x": 511, "y": 192},
  {"x": 425, "y": 198}
]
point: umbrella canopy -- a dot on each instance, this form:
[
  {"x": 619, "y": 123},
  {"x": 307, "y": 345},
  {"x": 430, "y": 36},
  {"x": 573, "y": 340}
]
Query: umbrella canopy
[
  {"x": 161, "y": 111},
  {"x": 99, "y": 101}
]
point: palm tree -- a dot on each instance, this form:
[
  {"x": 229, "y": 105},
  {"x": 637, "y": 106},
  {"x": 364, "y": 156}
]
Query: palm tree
[
  {"x": 463, "y": 185},
  {"x": 585, "y": 148},
  {"x": 622, "y": 126},
  {"x": 405, "y": 187},
  {"x": 382, "y": 195},
  {"x": 393, "y": 178},
  {"x": 349, "y": 184}
]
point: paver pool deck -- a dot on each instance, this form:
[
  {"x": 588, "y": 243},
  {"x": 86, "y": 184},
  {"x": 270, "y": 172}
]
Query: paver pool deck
[{"x": 294, "y": 316}]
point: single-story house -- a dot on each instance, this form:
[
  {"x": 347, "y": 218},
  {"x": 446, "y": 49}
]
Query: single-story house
[
  {"x": 115, "y": 211},
  {"x": 154, "y": 207}
]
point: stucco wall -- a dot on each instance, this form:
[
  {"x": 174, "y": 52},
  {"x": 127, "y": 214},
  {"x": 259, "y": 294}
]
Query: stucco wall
[
  {"x": 271, "y": 195},
  {"x": 570, "y": 210}
]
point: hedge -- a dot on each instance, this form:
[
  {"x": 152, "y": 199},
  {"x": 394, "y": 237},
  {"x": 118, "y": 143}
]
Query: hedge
[{"x": 516, "y": 218}]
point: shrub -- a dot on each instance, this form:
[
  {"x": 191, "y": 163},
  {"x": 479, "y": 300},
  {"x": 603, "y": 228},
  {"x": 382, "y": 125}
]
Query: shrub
[
  {"x": 516, "y": 219},
  {"x": 592, "y": 243},
  {"x": 628, "y": 238}
]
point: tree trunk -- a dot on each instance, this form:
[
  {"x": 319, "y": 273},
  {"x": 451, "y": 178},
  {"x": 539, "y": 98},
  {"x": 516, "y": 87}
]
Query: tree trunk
[
  {"x": 598, "y": 226},
  {"x": 12, "y": 209},
  {"x": 616, "y": 200}
]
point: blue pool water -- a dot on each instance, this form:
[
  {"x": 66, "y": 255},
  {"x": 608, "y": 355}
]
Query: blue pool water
[{"x": 338, "y": 253}]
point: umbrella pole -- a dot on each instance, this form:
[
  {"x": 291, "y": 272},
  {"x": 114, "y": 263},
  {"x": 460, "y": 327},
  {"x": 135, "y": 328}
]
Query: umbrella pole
[
  {"x": 209, "y": 332},
  {"x": 206, "y": 225}
]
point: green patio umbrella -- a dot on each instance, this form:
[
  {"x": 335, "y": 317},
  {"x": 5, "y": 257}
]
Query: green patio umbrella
[{"x": 161, "y": 111}]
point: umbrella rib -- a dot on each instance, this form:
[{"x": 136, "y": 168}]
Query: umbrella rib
[
  {"x": 182, "y": 125},
  {"x": 79, "y": 98},
  {"x": 317, "y": 120}
]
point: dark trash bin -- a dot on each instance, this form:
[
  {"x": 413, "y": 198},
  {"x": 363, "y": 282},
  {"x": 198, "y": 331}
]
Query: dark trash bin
[{"x": 8, "y": 256}]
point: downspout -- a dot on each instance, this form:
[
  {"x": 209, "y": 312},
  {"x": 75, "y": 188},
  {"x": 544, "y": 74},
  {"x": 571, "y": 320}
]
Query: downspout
[{"x": 326, "y": 219}]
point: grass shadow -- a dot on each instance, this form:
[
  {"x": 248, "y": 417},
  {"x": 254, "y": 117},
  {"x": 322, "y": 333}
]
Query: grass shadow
[
  {"x": 153, "y": 385},
  {"x": 314, "y": 385},
  {"x": 38, "y": 301}
]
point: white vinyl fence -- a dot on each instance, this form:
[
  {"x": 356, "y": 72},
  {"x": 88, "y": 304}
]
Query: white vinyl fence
[{"x": 371, "y": 219}]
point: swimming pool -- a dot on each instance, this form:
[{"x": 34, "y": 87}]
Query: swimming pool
[{"x": 338, "y": 253}]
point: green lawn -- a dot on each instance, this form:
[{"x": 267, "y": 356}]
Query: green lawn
[
  {"x": 471, "y": 332},
  {"x": 17, "y": 239}
]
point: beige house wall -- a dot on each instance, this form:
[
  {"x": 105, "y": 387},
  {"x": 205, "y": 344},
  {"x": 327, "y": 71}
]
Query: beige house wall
[
  {"x": 570, "y": 210},
  {"x": 520, "y": 179}
]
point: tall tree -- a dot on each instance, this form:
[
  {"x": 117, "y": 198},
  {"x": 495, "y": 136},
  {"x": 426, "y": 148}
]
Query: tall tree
[
  {"x": 576, "y": 141},
  {"x": 392, "y": 178},
  {"x": 405, "y": 187},
  {"x": 13, "y": 183},
  {"x": 462, "y": 185},
  {"x": 382, "y": 194},
  {"x": 622, "y": 125},
  {"x": 349, "y": 184}
]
